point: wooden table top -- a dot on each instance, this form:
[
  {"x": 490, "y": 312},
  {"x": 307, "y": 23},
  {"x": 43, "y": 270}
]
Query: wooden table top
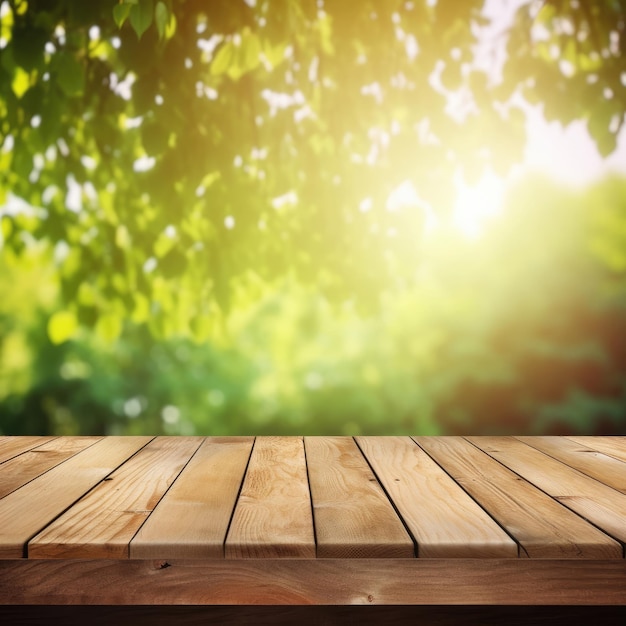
[{"x": 312, "y": 497}]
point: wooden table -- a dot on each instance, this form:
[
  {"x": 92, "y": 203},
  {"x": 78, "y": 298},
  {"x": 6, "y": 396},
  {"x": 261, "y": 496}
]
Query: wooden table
[{"x": 314, "y": 520}]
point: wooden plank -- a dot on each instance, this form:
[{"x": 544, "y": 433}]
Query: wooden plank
[
  {"x": 192, "y": 520},
  {"x": 443, "y": 519},
  {"x": 25, "y": 467},
  {"x": 368, "y": 582},
  {"x": 12, "y": 446},
  {"x": 353, "y": 516},
  {"x": 603, "y": 506},
  {"x": 104, "y": 521},
  {"x": 606, "y": 469},
  {"x": 543, "y": 527},
  {"x": 24, "y": 512},
  {"x": 611, "y": 446},
  {"x": 273, "y": 514}
]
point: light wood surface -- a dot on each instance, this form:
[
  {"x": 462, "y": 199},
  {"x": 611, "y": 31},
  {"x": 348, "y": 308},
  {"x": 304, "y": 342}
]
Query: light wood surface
[
  {"x": 319, "y": 497},
  {"x": 594, "y": 501},
  {"x": 12, "y": 446},
  {"x": 28, "y": 465},
  {"x": 353, "y": 516},
  {"x": 323, "y": 520},
  {"x": 25, "y": 511},
  {"x": 611, "y": 446},
  {"x": 273, "y": 516},
  {"x": 543, "y": 527},
  {"x": 606, "y": 469},
  {"x": 443, "y": 519},
  {"x": 104, "y": 521},
  {"x": 192, "y": 521}
]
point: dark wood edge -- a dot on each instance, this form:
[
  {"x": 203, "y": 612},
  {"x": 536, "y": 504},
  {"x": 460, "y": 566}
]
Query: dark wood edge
[
  {"x": 424, "y": 615},
  {"x": 314, "y": 582}
]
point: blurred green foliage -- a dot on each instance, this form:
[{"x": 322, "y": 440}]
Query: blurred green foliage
[
  {"x": 520, "y": 331},
  {"x": 208, "y": 245},
  {"x": 180, "y": 149}
]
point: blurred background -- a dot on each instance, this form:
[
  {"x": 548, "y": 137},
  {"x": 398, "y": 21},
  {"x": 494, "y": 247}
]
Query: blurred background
[{"x": 351, "y": 250}]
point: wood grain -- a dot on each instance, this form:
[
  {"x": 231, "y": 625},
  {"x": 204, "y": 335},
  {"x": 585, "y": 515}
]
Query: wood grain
[
  {"x": 606, "y": 469},
  {"x": 443, "y": 519},
  {"x": 611, "y": 446},
  {"x": 273, "y": 515},
  {"x": 23, "y": 468},
  {"x": 104, "y": 521},
  {"x": 543, "y": 527},
  {"x": 27, "y": 510},
  {"x": 192, "y": 520},
  {"x": 602, "y": 505},
  {"x": 167, "y": 498},
  {"x": 353, "y": 516},
  {"x": 367, "y": 582},
  {"x": 12, "y": 446}
]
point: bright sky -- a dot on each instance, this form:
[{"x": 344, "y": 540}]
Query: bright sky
[{"x": 568, "y": 154}]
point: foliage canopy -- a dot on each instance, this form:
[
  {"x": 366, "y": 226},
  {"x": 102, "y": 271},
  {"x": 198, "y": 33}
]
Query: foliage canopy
[
  {"x": 184, "y": 151},
  {"x": 525, "y": 335}
]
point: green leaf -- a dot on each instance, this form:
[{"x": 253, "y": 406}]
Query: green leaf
[
  {"x": 251, "y": 50},
  {"x": 274, "y": 53},
  {"x": 121, "y": 12},
  {"x": 223, "y": 59},
  {"x": 62, "y": 326},
  {"x": 161, "y": 17},
  {"x": 170, "y": 28},
  {"x": 6, "y": 222},
  {"x": 163, "y": 245},
  {"x": 141, "y": 310},
  {"x": 21, "y": 82},
  {"x": 236, "y": 60},
  {"x": 141, "y": 15},
  {"x": 109, "y": 326},
  {"x": 237, "y": 68}
]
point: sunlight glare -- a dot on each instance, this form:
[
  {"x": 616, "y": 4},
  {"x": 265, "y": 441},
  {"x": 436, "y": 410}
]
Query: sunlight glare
[
  {"x": 476, "y": 204},
  {"x": 404, "y": 197}
]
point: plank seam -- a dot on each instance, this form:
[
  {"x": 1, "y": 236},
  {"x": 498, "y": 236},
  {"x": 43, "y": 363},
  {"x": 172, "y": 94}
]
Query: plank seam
[
  {"x": 609, "y": 454},
  {"x": 590, "y": 522},
  {"x": 43, "y": 443},
  {"x": 232, "y": 513},
  {"x": 182, "y": 469},
  {"x": 576, "y": 469},
  {"x": 520, "y": 548},
  {"x": 308, "y": 479},
  {"x": 390, "y": 499},
  {"x": 25, "y": 550},
  {"x": 50, "y": 468}
]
